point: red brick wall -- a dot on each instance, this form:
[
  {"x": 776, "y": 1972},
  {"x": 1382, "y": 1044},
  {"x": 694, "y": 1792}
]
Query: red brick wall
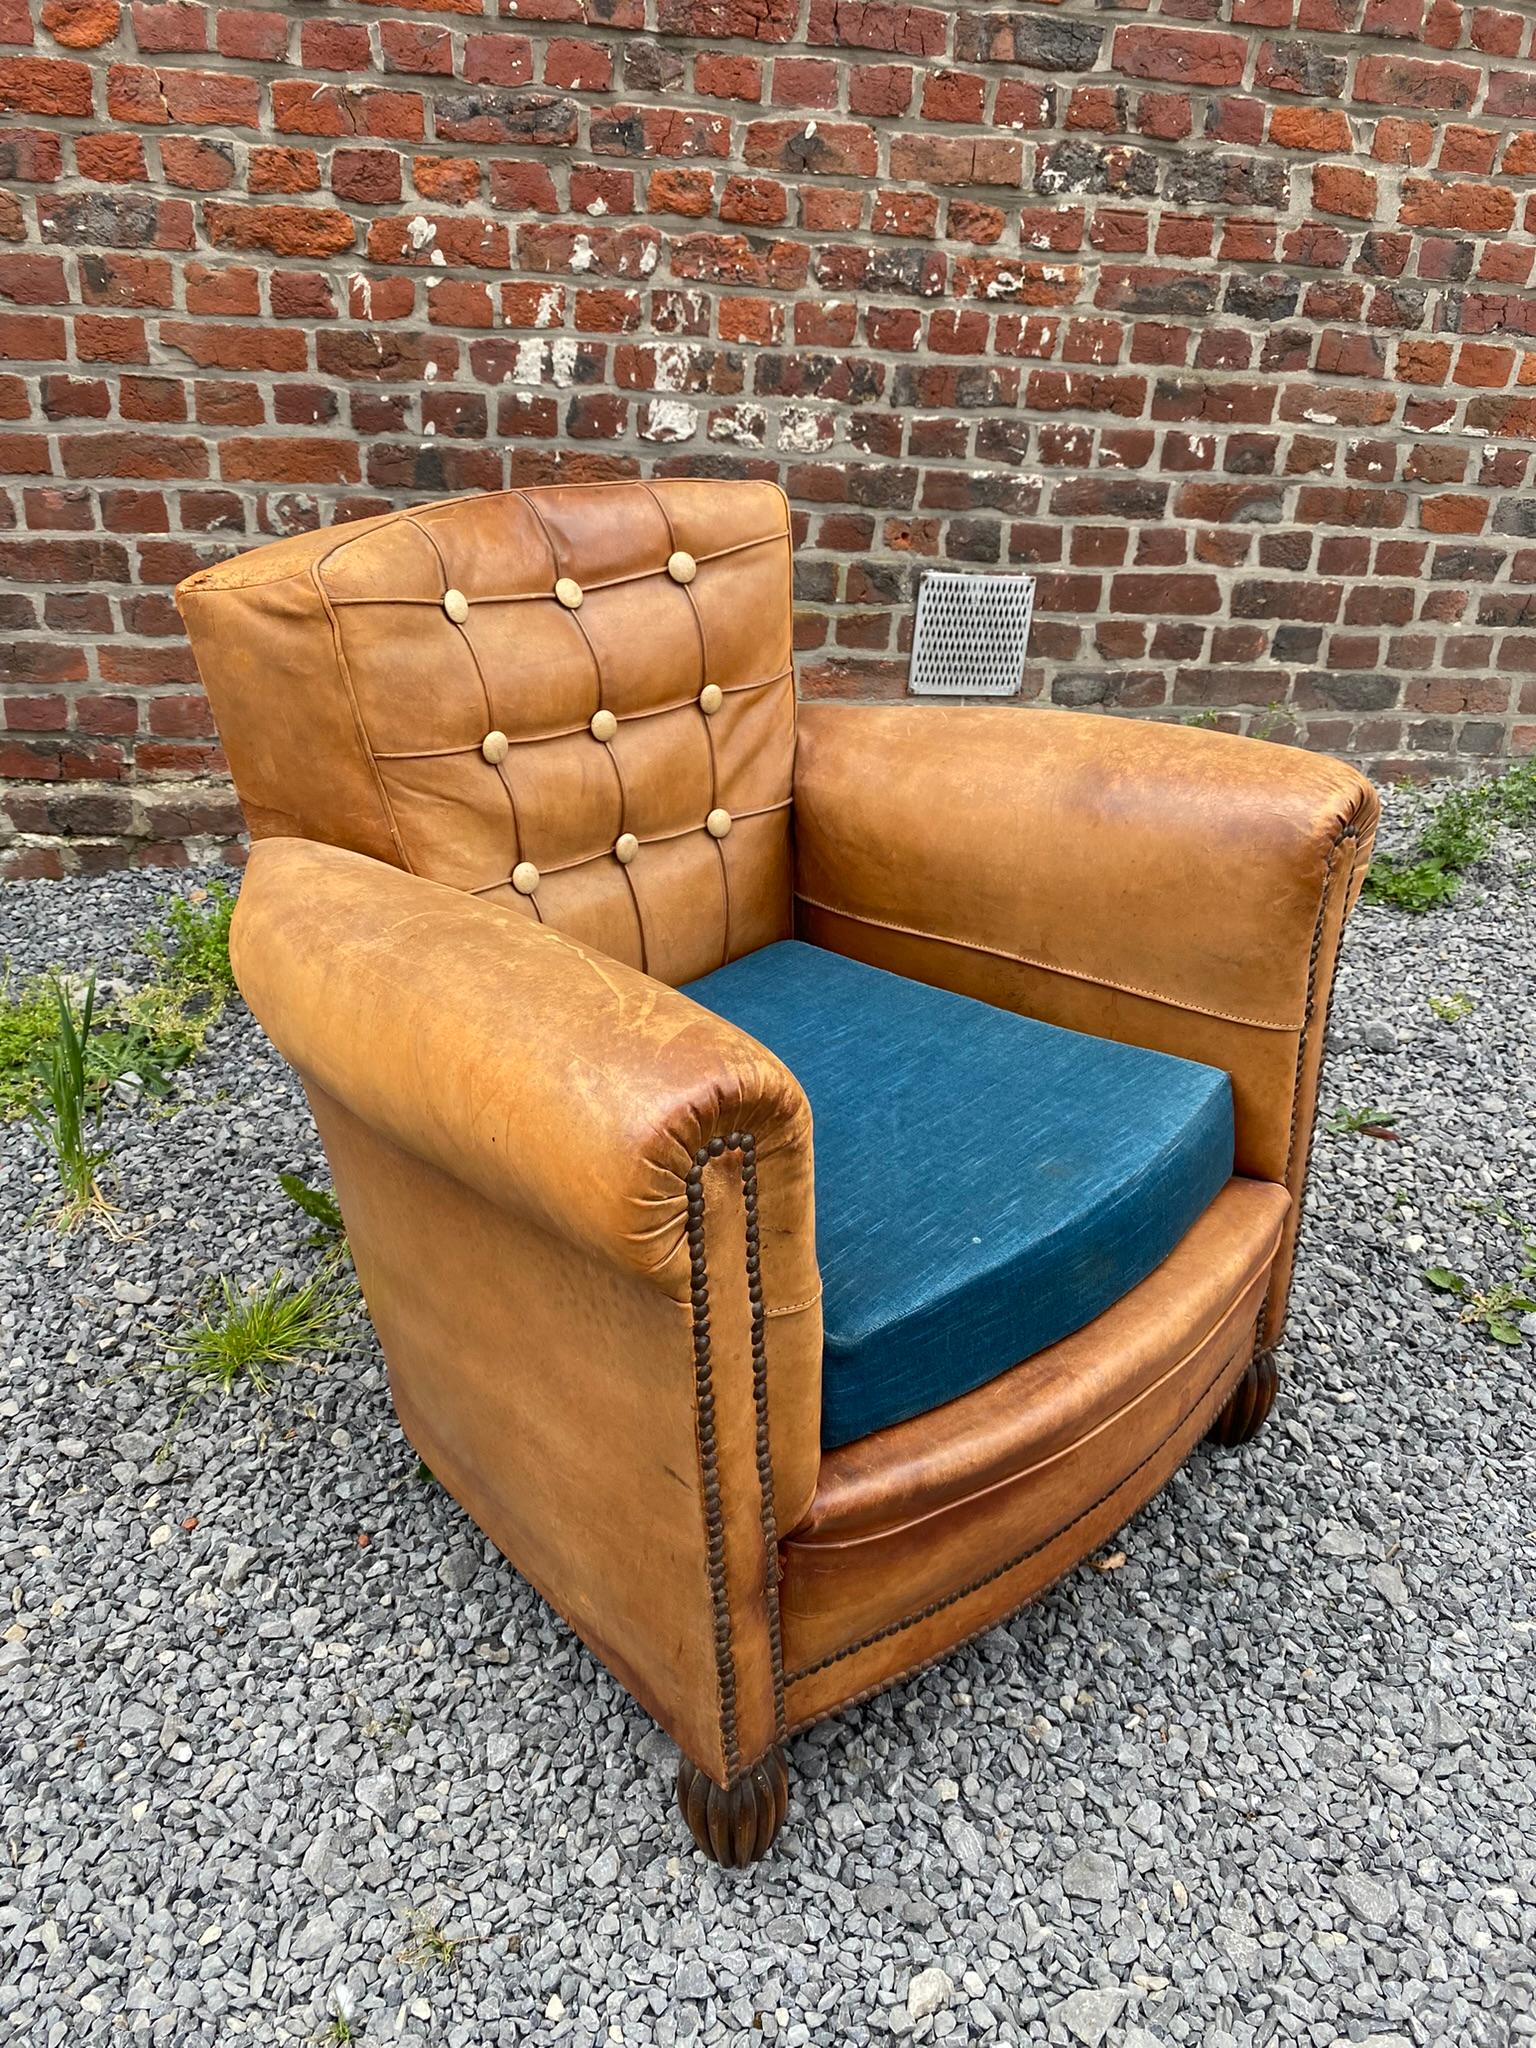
[{"x": 1214, "y": 313}]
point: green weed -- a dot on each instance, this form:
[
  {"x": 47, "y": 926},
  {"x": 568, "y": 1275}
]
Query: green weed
[
  {"x": 321, "y": 1207},
  {"x": 1366, "y": 1120},
  {"x": 194, "y": 956},
  {"x": 1495, "y": 1308},
  {"x": 67, "y": 1106},
  {"x": 1458, "y": 833},
  {"x": 429, "y": 1948},
  {"x": 1453, "y": 1009},
  {"x": 28, "y": 1022}
]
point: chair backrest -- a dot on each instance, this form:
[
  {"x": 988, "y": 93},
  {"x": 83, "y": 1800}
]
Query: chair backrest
[{"x": 576, "y": 700}]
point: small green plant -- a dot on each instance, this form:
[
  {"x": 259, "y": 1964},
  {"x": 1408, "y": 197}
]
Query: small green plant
[
  {"x": 1494, "y": 1307},
  {"x": 1453, "y": 1009},
  {"x": 1208, "y": 720},
  {"x": 67, "y": 1106},
  {"x": 430, "y": 1948},
  {"x": 194, "y": 958},
  {"x": 337, "y": 2030},
  {"x": 1275, "y": 717},
  {"x": 1458, "y": 833},
  {"x": 323, "y": 1210},
  {"x": 245, "y": 1336},
  {"x": 425, "y": 1476},
  {"x": 1365, "y": 1120},
  {"x": 28, "y": 1022}
]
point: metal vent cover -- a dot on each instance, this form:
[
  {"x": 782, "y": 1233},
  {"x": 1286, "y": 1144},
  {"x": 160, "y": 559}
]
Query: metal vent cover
[{"x": 971, "y": 635}]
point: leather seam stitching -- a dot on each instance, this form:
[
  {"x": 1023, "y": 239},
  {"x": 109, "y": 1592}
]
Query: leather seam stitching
[
  {"x": 1048, "y": 967},
  {"x": 792, "y": 1308},
  {"x": 896, "y": 1628}
]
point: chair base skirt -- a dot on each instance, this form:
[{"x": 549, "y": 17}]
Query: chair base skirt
[{"x": 934, "y": 1531}]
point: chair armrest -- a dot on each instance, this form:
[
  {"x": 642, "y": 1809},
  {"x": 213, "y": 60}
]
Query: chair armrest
[
  {"x": 564, "y": 1087},
  {"x": 580, "y": 1208},
  {"x": 1170, "y": 887}
]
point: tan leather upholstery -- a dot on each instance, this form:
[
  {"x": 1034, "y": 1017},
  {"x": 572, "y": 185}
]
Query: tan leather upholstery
[
  {"x": 1167, "y": 886},
  {"x": 511, "y": 1120},
  {"x": 515, "y": 764},
  {"x": 505, "y": 686}
]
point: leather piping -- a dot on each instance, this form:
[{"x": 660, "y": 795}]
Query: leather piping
[
  {"x": 709, "y": 1469},
  {"x": 1349, "y": 830},
  {"x": 1001, "y": 1571},
  {"x": 1050, "y": 967},
  {"x": 345, "y": 672}
]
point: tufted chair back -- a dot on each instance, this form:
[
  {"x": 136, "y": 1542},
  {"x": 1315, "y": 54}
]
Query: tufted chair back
[{"x": 577, "y": 701}]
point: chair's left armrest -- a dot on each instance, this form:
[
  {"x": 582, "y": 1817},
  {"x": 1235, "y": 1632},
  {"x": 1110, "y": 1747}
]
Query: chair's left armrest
[{"x": 1171, "y": 887}]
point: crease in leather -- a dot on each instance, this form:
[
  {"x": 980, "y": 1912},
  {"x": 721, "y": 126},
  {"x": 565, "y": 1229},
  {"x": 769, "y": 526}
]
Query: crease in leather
[
  {"x": 1001, "y": 1571},
  {"x": 1046, "y": 966}
]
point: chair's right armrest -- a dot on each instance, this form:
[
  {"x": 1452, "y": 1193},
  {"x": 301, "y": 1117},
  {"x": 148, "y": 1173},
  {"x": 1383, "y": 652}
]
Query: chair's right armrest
[
  {"x": 580, "y": 1207},
  {"x": 563, "y": 1086}
]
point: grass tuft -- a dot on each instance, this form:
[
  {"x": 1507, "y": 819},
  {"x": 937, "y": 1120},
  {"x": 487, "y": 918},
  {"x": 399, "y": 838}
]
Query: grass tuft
[
  {"x": 246, "y": 1336},
  {"x": 430, "y": 1948}
]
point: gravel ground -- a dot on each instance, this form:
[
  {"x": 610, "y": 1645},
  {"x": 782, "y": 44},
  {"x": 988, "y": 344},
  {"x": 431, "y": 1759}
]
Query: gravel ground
[{"x": 269, "y": 1712}]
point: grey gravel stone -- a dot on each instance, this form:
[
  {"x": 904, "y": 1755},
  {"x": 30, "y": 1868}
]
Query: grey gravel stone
[{"x": 1312, "y": 1799}]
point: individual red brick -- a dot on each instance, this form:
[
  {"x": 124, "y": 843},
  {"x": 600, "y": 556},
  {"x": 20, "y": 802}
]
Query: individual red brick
[
  {"x": 452, "y": 179},
  {"x": 259, "y": 36},
  {"x": 574, "y": 66},
  {"x": 369, "y": 175},
  {"x": 877, "y": 25},
  {"x": 1179, "y": 56},
  {"x": 411, "y": 46},
  {"x": 1414, "y": 82},
  {"x": 44, "y": 85},
  {"x": 722, "y": 77},
  {"x": 1482, "y": 366},
  {"x": 233, "y": 290},
  {"x": 196, "y": 165},
  {"x": 1338, "y": 188},
  {"x": 110, "y": 159},
  {"x": 343, "y": 46},
  {"x": 1469, "y": 209},
  {"x": 163, "y": 26},
  {"x": 309, "y": 459},
  {"x": 953, "y": 96},
  {"x": 686, "y": 192},
  {"x": 1399, "y": 141},
  {"x": 283, "y": 170},
  {"x": 1453, "y": 513},
  {"x": 283, "y": 230},
  {"x": 1321, "y": 128},
  {"x": 81, "y": 24}
]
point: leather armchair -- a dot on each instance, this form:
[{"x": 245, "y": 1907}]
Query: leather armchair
[{"x": 523, "y": 778}]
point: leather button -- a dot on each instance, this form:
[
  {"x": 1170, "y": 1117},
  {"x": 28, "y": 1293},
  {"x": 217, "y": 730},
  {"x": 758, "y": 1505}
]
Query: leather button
[
  {"x": 625, "y": 847},
  {"x": 711, "y": 697},
  {"x": 681, "y": 567},
  {"x": 495, "y": 747},
  {"x": 603, "y": 725},
  {"x": 456, "y": 605},
  {"x": 569, "y": 592},
  {"x": 717, "y": 824},
  {"x": 525, "y": 878}
]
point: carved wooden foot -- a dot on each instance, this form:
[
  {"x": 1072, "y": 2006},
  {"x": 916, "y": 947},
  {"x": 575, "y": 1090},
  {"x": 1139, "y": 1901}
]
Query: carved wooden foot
[
  {"x": 1251, "y": 1400},
  {"x": 735, "y": 1824}
]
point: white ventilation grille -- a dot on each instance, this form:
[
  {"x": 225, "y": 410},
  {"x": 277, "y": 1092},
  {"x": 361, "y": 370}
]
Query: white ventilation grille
[{"x": 972, "y": 635}]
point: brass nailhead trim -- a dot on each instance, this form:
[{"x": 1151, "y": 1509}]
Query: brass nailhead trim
[{"x": 714, "y": 1517}]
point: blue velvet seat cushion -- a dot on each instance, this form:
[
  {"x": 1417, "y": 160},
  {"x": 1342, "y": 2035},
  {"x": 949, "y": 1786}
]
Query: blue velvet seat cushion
[{"x": 985, "y": 1184}]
